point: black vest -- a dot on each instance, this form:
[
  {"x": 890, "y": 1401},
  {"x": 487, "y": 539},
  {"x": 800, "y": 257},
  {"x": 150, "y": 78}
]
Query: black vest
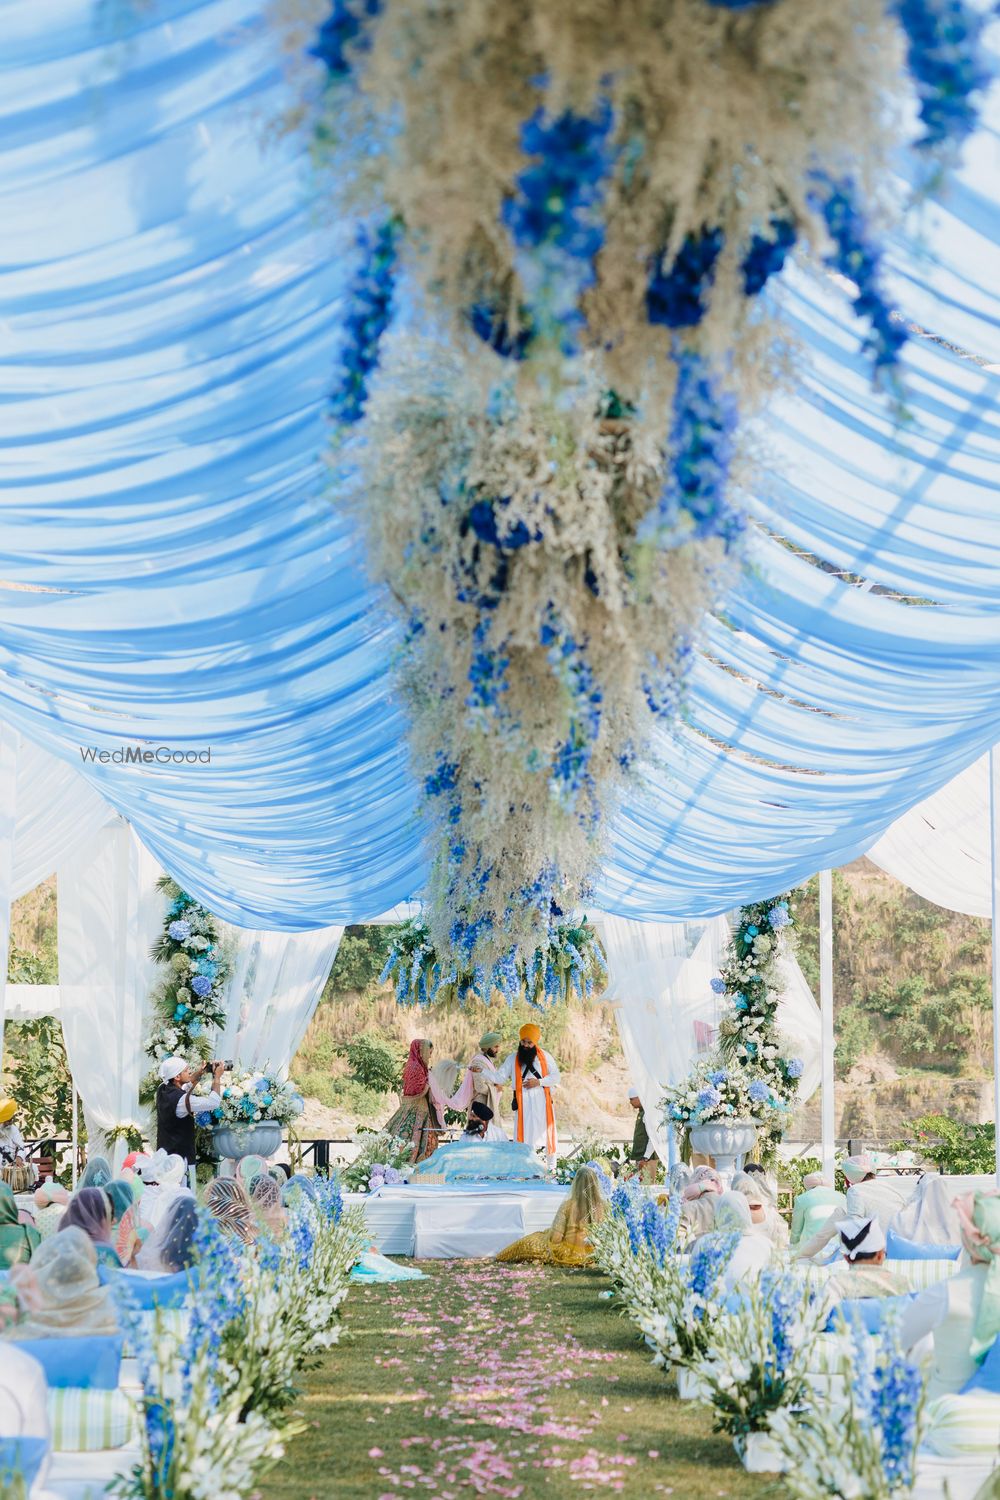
[{"x": 172, "y": 1134}]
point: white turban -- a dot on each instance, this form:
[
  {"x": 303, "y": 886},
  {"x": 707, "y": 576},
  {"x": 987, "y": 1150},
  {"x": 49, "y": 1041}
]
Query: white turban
[
  {"x": 170, "y": 1067},
  {"x": 861, "y": 1237}
]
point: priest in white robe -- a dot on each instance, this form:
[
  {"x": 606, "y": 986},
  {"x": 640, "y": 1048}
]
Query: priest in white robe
[{"x": 534, "y": 1075}]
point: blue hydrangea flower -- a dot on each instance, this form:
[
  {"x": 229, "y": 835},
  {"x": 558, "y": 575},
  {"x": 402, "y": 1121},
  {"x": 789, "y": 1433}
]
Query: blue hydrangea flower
[
  {"x": 200, "y": 985},
  {"x": 759, "y": 1091},
  {"x": 718, "y": 986},
  {"x": 778, "y": 917},
  {"x": 707, "y": 1098},
  {"x": 719, "y": 1076},
  {"x": 179, "y": 930},
  {"x": 795, "y": 1067}
]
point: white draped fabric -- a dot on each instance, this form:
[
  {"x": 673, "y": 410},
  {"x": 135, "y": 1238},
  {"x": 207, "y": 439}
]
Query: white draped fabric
[
  {"x": 110, "y": 912},
  {"x": 275, "y": 986},
  {"x": 667, "y": 1013},
  {"x": 941, "y": 847},
  {"x": 8, "y": 814}
]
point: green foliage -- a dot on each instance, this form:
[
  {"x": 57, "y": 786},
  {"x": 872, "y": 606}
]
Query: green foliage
[
  {"x": 958, "y": 1149},
  {"x": 791, "y": 1173},
  {"x": 344, "y": 1094},
  {"x": 375, "y": 1062},
  {"x": 24, "y": 967},
  {"x": 360, "y": 959},
  {"x": 42, "y": 1085},
  {"x": 855, "y": 1036}
]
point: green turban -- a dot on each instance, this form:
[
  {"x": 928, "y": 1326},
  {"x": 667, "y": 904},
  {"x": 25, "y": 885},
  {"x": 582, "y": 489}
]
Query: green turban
[{"x": 490, "y": 1039}]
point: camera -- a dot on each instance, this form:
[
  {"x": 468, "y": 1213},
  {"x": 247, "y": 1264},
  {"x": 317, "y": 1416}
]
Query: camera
[{"x": 226, "y": 1066}]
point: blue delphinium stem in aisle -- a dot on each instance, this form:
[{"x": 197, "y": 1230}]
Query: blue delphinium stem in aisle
[
  {"x": 344, "y": 33},
  {"x": 369, "y": 301}
]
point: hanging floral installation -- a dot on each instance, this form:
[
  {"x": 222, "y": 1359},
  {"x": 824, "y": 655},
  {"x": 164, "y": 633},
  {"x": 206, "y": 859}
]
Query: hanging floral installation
[
  {"x": 187, "y": 1002},
  {"x": 751, "y": 1076},
  {"x": 580, "y": 212},
  {"x": 572, "y": 961}
]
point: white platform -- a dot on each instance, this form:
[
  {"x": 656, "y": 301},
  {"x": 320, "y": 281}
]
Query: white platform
[{"x": 456, "y": 1223}]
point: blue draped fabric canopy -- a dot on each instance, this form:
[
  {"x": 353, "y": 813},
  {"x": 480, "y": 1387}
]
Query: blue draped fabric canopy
[{"x": 174, "y": 571}]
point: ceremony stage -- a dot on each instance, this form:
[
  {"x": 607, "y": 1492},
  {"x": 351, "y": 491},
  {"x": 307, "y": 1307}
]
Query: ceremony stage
[{"x": 435, "y": 1221}]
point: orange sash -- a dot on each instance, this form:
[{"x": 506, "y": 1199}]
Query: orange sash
[{"x": 550, "y": 1118}]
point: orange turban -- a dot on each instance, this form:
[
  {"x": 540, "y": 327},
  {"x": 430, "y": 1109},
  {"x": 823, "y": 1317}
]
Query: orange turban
[{"x": 531, "y": 1033}]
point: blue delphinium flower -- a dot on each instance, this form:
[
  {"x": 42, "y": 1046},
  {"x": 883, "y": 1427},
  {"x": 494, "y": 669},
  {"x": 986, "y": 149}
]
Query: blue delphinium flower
[
  {"x": 694, "y": 502},
  {"x": 554, "y": 216},
  {"x": 718, "y": 986},
  {"x": 329, "y": 1198},
  {"x": 739, "y": 4},
  {"x": 342, "y": 32},
  {"x": 767, "y": 255},
  {"x": 896, "y": 1389},
  {"x": 709, "y": 1259},
  {"x": 858, "y": 258},
  {"x": 947, "y": 63},
  {"x": 493, "y": 328},
  {"x": 675, "y": 297},
  {"x": 369, "y": 301},
  {"x": 607, "y": 1185}
]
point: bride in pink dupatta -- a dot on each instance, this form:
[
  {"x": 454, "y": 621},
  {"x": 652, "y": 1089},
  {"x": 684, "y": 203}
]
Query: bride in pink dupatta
[{"x": 420, "y": 1116}]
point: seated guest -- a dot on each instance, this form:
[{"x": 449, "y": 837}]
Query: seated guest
[
  {"x": 480, "y": 1123},
  {"x": 814, "y": 1206},
  {"x": 18, "y": 1242},
  {"x": 862, "y": 1242},
  {"x": 698, "y": 1201},
  {"x": 50, "y": 1205},
  {"x": 163, "y": 1178},
  {"x": 97, "y": 1173},
  {"x": 59, "y": 1293},
  {"x": 89, "y": 1209},
  {"x": 868, "y": 1197},
  {"x": 266, "y": 1202},
  {"x": 962, "y": 1313},
  {"x": 170, "y": 1247},
  {"x": 229, "y": 1204},
  {"x": 567, "y": 1242},
  {"x": 753, "y": 1250},
  {"x": 298, "y": 1184},
  {"x": 763, "y": 1210},
  {"x": 24, "y": 1410}
]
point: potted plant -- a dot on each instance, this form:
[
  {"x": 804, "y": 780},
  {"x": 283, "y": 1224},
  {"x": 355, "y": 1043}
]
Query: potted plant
[{"x": 255, "y": 1108}]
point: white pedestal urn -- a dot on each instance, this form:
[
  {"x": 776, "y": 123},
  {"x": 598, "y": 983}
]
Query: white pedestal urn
[
  {"x": 233, "y": 1142},
  {"x": 690, "y": 1387},
  {"x": 726, "y": 1141},
  {"x": 759, "y": 1453}
]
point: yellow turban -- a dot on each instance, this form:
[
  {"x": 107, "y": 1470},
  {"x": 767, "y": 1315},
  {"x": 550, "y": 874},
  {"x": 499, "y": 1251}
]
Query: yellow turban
[
  {"x": 8, "y": 1109},
  {"x": 531, "y": 1033}
]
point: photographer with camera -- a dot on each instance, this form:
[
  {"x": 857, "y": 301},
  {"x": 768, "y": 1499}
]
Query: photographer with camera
[{"x": 177, "y": 1106}]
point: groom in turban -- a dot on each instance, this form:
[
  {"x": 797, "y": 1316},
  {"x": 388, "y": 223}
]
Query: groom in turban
[
  {"x": 534, "y": 1075},
  {"x": 483, "y": 1091}
]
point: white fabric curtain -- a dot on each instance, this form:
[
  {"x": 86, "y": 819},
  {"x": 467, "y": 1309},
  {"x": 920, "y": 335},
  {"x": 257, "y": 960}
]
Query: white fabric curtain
[
  {"x": 8, "y": 819},
  {"x": 58, "y": 815},
  {"x": 668, "y": 1014},
  {"x": 110, "y": 914},
  {"x": 275, "y": 986},
  {"x": 941, "y": 847}
]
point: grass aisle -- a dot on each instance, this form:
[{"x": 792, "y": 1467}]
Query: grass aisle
[{"x": 513, "y": 1381}]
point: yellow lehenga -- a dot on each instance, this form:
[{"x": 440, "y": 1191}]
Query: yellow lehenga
[{"x": 565, "y": 1244}]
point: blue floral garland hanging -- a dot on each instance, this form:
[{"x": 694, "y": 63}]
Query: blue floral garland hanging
[
  {"x": 550, "y": 481},
  {"x": 572, "y": 962}
]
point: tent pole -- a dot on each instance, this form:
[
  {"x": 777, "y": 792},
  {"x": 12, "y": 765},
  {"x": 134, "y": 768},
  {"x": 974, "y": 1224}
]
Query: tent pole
[
  {"x": 995, "y": 887},
  {"x": 827, "y": 1115},
  {"x": 76, "y": 1111}
]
